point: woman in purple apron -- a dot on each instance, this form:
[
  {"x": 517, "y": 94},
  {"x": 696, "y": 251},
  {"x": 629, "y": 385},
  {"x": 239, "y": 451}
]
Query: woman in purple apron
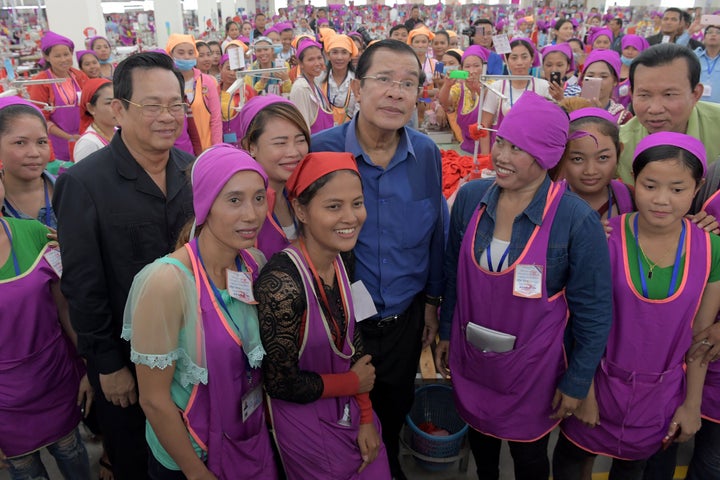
[
  {"x": 589, "y": 165},
  {"x": 194, "y": 336},
  {"x": 520, "y": 61},
  {"x": 453, "y": 95},
  {"x": 40, "y": 373},
  {"x": 305, "y": 94},
  {"x": 514, "y": 286},
  {"x": 704, "y": 462},
  {"x": 63, "y": 98},
  {"x": 666, "y": 286},
  {"x": 316, "y": 375},
  {"x": 274, "y": 132}
]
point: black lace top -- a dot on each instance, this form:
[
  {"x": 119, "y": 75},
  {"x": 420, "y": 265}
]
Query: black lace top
[{"x": 281, "y": 296}]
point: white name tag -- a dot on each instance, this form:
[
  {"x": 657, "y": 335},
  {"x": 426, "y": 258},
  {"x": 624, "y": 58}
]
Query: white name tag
[
  {"x": 666, "y": 39},
  {"x": 53, "y": 258},
  {"x": 528, "y": 281},
  {"x": 239, "y": 286},
  {"x": 251, "y": 401},
  {"x": 707, "y": 90},
  {"x": 362, "y": 301}
]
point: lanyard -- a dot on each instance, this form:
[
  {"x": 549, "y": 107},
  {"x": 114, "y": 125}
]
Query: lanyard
[
  {"x": 16, "y": 264},
  {"x": 48, "y": 217},
  {"x": 287, "y": 200},
  {"x": 610, "y": 197},
  {"x": 324, "y": 103},
  {"x": 488, "y": 255},
  {"x": 676, "y": 266},
  {"x": 324, "y": 299},
  {"x": 709, "y": 68},
  {"x": 70, "y": 98},
  {"x": 215, "y": 290},
  {"x": 218, "y": 297},
  {"x": 526, "y": 87}
]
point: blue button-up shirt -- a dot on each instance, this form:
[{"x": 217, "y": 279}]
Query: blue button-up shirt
[
  {"x": 709, "y": 75},
  {"x": 578, "y": 261},
  {"x": 400, "y": 250}
]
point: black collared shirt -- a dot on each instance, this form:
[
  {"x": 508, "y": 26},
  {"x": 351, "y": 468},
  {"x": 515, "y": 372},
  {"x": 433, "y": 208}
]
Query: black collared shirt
[{"x": 112, "y": 221}]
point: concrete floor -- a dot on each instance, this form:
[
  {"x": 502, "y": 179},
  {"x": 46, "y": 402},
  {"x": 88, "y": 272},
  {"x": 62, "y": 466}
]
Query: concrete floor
[{"x": 410, "y": 466}]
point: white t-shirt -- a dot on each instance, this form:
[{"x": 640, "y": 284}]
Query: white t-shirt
[
  {"x": 538, "y": 85},
  {"x": 88, "y": 143}
]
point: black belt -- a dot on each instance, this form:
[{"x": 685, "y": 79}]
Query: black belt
[{"x": 389, "y": 321}]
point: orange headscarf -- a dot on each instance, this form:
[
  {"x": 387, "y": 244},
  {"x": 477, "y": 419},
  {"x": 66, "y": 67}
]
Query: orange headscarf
[
  {"x": 176, "y": 39},
  {"x": 420, "y": 31},
  {"x": 88, "y": 90},
  {"x": 344, "y": 42}
]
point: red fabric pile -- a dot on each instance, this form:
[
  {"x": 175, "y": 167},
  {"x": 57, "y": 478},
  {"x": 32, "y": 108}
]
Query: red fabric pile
[{"x": 456, "y": 166}]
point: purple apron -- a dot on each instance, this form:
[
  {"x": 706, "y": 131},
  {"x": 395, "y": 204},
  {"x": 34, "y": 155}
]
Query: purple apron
[
  {"x": 622, "y": 195},
  {"x": 184, "y": 142},
  {"x": 313, "y": 443},
  {"x": 323, "y": 121},
  {"x": 213, "y": 414},
  {"x": 66, "y": 118},
  {"x": 641, "y": 382},
  {"x": 39, "y": 370},
  {"x": 711, "y": 390},
  {"x": 271, "y": 238},
  {"x": 464, "y": 120},
  {"x": 508, "y": 395},
  {"x": 231, "y": 128}
]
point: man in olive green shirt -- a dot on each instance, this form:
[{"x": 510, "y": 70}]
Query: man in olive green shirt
[{"x": 666, "y": 89}]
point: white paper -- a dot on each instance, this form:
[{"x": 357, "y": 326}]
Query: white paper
[
  {"x": 53, "y": 258},
  {"x": 362, "y": 301},
  {"x": 236, "y": 56},
  {"x": 502, "y": 44},
  {"x": 528, "y": 281}
]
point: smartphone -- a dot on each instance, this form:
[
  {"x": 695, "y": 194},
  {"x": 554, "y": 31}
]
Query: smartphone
[
  {"x": 556, "y": 78},
  {"x": 710, "y": 20},
  {"x": 667, "y": 441},
  {"x": 439, "y": 67},
  {"x": 591, "y": 88}
]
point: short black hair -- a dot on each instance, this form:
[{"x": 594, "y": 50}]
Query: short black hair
[
  {"x": 443, "y": 32},
  {"x": 259, "y": 14},
  {"x": 482, "y": 21},
  {"x": 618, "y": 21},
  {"x": 663, "y": 54},
  {"x": 396, "y": 46},
  {"x": 230, "y": 24},
  {"x": 674, "y": 9},
  {"x": 578, "y": 41},
  {"x": 669, "y": 152},
  {"x": 524, "y": 43},
  {"x": 558, "y": 25},
  {"x": 686, "y": 18},
  {"x": 399, "y": 26},
  {"x": 123, "y": 79}
]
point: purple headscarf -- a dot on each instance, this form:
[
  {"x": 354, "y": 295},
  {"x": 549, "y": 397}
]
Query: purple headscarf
[
  {"x": 51, "y": 39},
  {"x": 252, "y": 107},
  {"x": 686, "y": 142},
  {"x": 212, "y": 170},
  {"x": 611, "y": 57},
  {"x": 537, "y": 126}
]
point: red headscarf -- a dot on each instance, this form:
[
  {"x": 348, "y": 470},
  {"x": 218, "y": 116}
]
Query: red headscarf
[
  {"x": 88, "y": 90},
  {"x": 316, "y": 165}
]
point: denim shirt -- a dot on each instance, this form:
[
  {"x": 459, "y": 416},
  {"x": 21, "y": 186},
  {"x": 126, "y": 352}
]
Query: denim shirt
[
  {"x": 578, "y": 261},
  {"x": 401, "y": 247}
]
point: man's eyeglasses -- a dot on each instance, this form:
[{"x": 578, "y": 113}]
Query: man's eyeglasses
[
  {"x": 408, "y": 86},
  {"x": 153, "y": 110}
]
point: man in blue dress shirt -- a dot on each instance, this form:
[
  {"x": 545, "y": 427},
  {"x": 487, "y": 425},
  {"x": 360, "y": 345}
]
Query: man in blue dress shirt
[{"x": 399, "y": 254}]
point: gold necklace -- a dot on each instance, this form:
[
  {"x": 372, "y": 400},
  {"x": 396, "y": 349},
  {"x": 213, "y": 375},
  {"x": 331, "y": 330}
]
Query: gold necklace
[
  {"x": 99, "y": 131},
  {"x": 651, "y": 265}
]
